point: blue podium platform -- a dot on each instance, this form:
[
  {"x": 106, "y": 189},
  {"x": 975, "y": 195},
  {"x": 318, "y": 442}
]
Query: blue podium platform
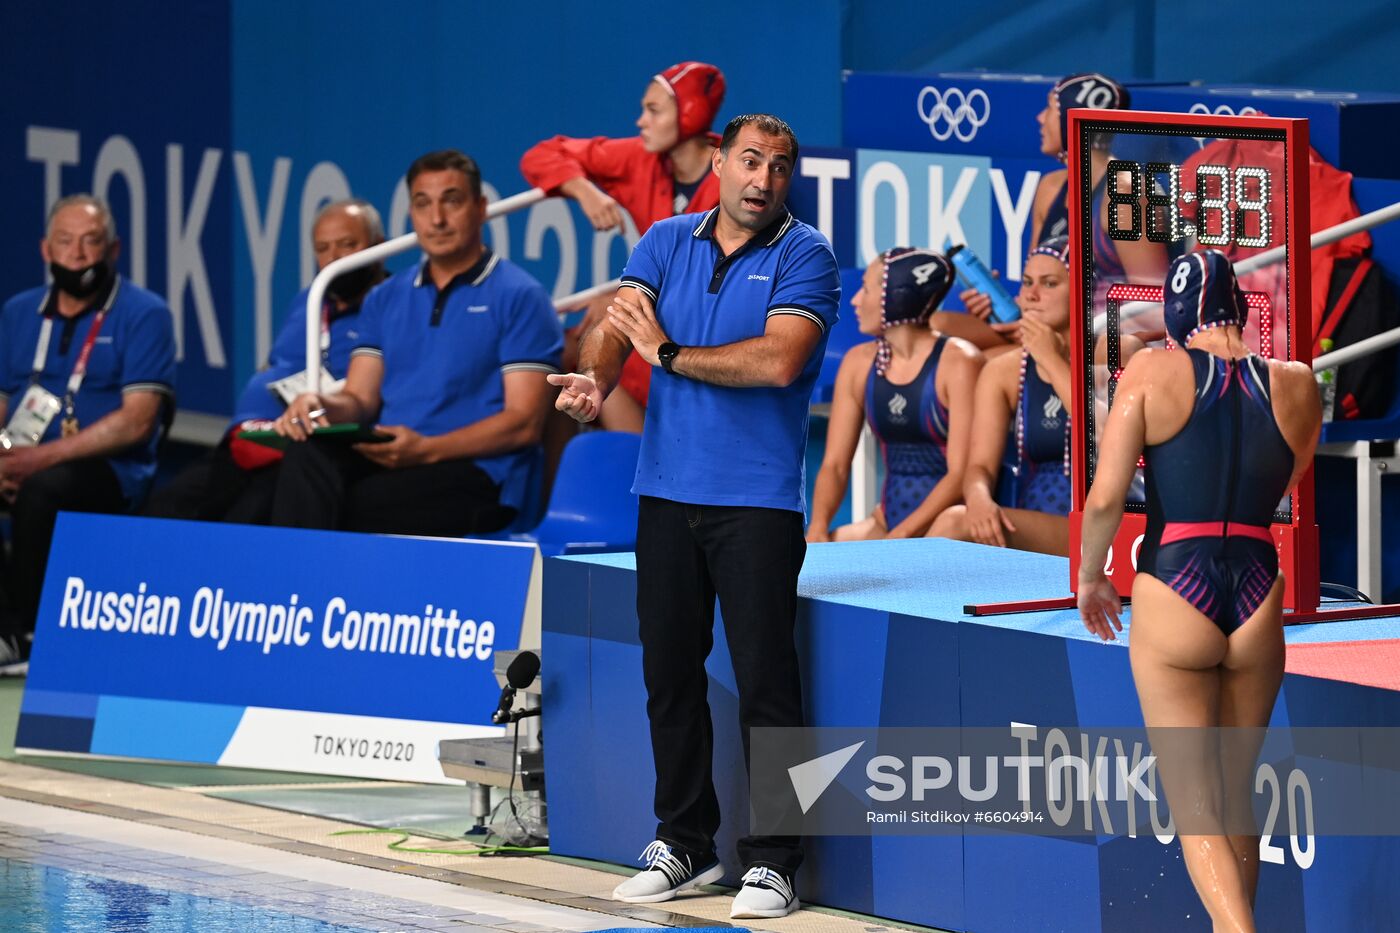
[{"x": 884, "y": 641}]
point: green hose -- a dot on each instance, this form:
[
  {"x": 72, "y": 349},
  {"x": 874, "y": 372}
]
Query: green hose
[{"x": 405, "y": 834}]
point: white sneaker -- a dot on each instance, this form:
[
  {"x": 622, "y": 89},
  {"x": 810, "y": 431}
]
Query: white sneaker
[
  {"x": 767, "y": 892},
  {"x": 666, "y": 875}
]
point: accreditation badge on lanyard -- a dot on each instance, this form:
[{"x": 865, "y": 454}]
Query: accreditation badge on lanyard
[
  {"x": 39, "y": 406},
  {"x": 288, "y": 388}
]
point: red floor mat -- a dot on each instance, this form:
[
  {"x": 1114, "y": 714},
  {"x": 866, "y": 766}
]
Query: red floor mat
[{"x": 1372, "y": 663}]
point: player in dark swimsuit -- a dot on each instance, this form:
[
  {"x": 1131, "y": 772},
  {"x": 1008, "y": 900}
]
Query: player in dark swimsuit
[
  {"x": 1041, "y": 434},
  {"x": 1020, "y": 401},
  {"x": 1226, "y": 435},
  {"x": 914, "y": 388}
]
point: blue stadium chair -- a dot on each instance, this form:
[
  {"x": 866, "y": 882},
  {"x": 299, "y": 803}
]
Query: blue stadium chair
[
  {"x": 531, "y": 510},
  {"x": 844, "y": 335},
  {"x": 591, "y": 509}
]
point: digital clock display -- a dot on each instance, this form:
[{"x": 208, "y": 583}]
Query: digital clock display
[{"x": 1222, "y": 206}]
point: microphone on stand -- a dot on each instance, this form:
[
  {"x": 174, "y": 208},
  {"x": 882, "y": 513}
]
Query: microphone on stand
[{"x": 519, "y": 675}]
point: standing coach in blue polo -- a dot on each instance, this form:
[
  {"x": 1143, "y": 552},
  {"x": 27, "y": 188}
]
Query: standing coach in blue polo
[
  {"x": 451, "y": 364},
  {"x": 733, "y": 306},
  {"x": 85, "y": 368}
]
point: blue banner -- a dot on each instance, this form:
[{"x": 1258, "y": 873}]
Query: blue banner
[
  {"x": 157, "y": 639},
  {"x": 868, "y": 200},
  {"x": 823, "y": 194}
]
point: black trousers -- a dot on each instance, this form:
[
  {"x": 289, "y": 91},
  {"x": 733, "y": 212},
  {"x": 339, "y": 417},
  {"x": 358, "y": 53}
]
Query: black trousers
[
  {"x": 216, "y": 489},
  {"x": 750, "y": 558},
  {"x": 323, "y": 484},
  {"x": 76, "y": 486}
]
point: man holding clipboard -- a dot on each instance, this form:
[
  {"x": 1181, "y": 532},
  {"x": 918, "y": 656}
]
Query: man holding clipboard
[{"x": 450, "y": 370}]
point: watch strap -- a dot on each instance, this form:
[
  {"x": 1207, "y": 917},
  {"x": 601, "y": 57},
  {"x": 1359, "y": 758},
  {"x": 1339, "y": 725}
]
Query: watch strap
[{"x": 666, "y": 355}]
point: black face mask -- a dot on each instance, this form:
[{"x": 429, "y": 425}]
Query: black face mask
[
  {"x": 349, "y": 287},
  {"x": 81, "y": 283}
]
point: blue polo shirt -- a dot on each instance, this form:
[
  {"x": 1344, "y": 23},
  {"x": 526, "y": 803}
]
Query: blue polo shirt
[
  {"x": 133, "y": 352},
  {"x": 716, "y": 445},
  {"x": 446, "y": 352},
  {"x": 288, "y": 356}
]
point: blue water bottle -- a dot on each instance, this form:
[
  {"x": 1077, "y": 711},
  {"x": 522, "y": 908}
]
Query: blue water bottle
[{"x": 974, "y": 274}]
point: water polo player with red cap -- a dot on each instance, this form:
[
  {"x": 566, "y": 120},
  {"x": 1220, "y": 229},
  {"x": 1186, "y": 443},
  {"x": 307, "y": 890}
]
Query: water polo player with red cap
[{"x": 662, "y": 171}]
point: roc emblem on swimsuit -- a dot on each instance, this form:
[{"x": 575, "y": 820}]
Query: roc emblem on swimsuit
[{"x": 898, "y": 403}]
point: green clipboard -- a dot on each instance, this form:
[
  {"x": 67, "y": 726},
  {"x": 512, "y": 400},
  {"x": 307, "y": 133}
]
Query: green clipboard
[{"x": 331, "y": 433}]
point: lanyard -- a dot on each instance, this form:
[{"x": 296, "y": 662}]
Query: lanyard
[
  {"x": 325, "y": 331},
  {"x": 79, "y": 373}
]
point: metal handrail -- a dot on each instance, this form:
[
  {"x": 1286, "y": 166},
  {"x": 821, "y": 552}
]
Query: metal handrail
[
  {"x": 1276, "y": 255},
  {"x": 1322, "y": 237},
  {"x": 367, "y": 257},
  {"x": 588, "y": 294},
  {"x": 1372, "y": 344}
]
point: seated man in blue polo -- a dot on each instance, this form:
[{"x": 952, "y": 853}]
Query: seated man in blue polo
[
  {"x": 236, "y": 480},
  {"x": 450, "y": 367},
  {"x": 732, "y": 307},
  {"x": 86, "y": 368}
]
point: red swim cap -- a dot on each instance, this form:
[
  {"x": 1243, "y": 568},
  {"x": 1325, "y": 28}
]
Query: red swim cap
[{"x": 699, "y": 90}]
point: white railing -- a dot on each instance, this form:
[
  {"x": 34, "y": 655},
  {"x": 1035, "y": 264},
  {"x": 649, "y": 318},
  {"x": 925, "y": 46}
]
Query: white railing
[
  {"x": 1276, "y": 255},
  {"x": 207, "y": 430},
  {"x": 569, "y": 302},
  {"x": 1372, "y": 344},
  {"x": 1331, "y": 235},
  {"x": 366, "y": 257}
]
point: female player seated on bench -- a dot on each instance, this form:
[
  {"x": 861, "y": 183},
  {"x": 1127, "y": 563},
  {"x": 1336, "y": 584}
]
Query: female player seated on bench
[
  {"x": 1025, "y": 391},
  {"x": 914, "y": 386}
]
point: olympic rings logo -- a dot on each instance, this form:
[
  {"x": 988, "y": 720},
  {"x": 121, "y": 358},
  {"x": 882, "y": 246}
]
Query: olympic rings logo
[
  {"x": 954, "y": 113},
  {"x": 1222, "y": 110}
]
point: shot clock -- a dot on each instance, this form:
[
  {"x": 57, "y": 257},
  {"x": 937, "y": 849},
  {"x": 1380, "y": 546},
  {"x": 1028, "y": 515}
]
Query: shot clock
[
  {"x": 1222, "y": 205},
  {"x": 1145, "y": 188}
]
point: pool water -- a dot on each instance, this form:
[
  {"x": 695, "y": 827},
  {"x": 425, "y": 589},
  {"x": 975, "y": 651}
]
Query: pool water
[{"x": 45, "y": 899}]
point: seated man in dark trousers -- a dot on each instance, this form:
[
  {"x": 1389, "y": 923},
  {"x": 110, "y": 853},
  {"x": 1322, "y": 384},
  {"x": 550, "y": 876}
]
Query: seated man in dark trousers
[
  {"x": 235, "y": 482},
  {"x": 732, "y": 309},
  {"x": 450, "y": 366},
  {"x": 85, "y": 367}
]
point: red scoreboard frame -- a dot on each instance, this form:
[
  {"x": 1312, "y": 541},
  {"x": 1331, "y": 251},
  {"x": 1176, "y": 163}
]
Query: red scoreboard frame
[{"x": 1297, "y": 539}]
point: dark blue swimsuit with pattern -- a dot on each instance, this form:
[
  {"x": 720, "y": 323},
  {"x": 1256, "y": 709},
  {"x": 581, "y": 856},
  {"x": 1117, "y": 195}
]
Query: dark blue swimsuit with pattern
[
  {"x": 1041, "y": 434},
  {"x": 1210, "y": 541},
  {"x": 911, "y": 425}
]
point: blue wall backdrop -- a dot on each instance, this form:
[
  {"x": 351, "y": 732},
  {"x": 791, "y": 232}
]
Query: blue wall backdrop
[{"x": 1288, "y": 43}]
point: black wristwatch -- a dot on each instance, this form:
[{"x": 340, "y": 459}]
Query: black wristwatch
[{"x": 666, "y": 355}]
